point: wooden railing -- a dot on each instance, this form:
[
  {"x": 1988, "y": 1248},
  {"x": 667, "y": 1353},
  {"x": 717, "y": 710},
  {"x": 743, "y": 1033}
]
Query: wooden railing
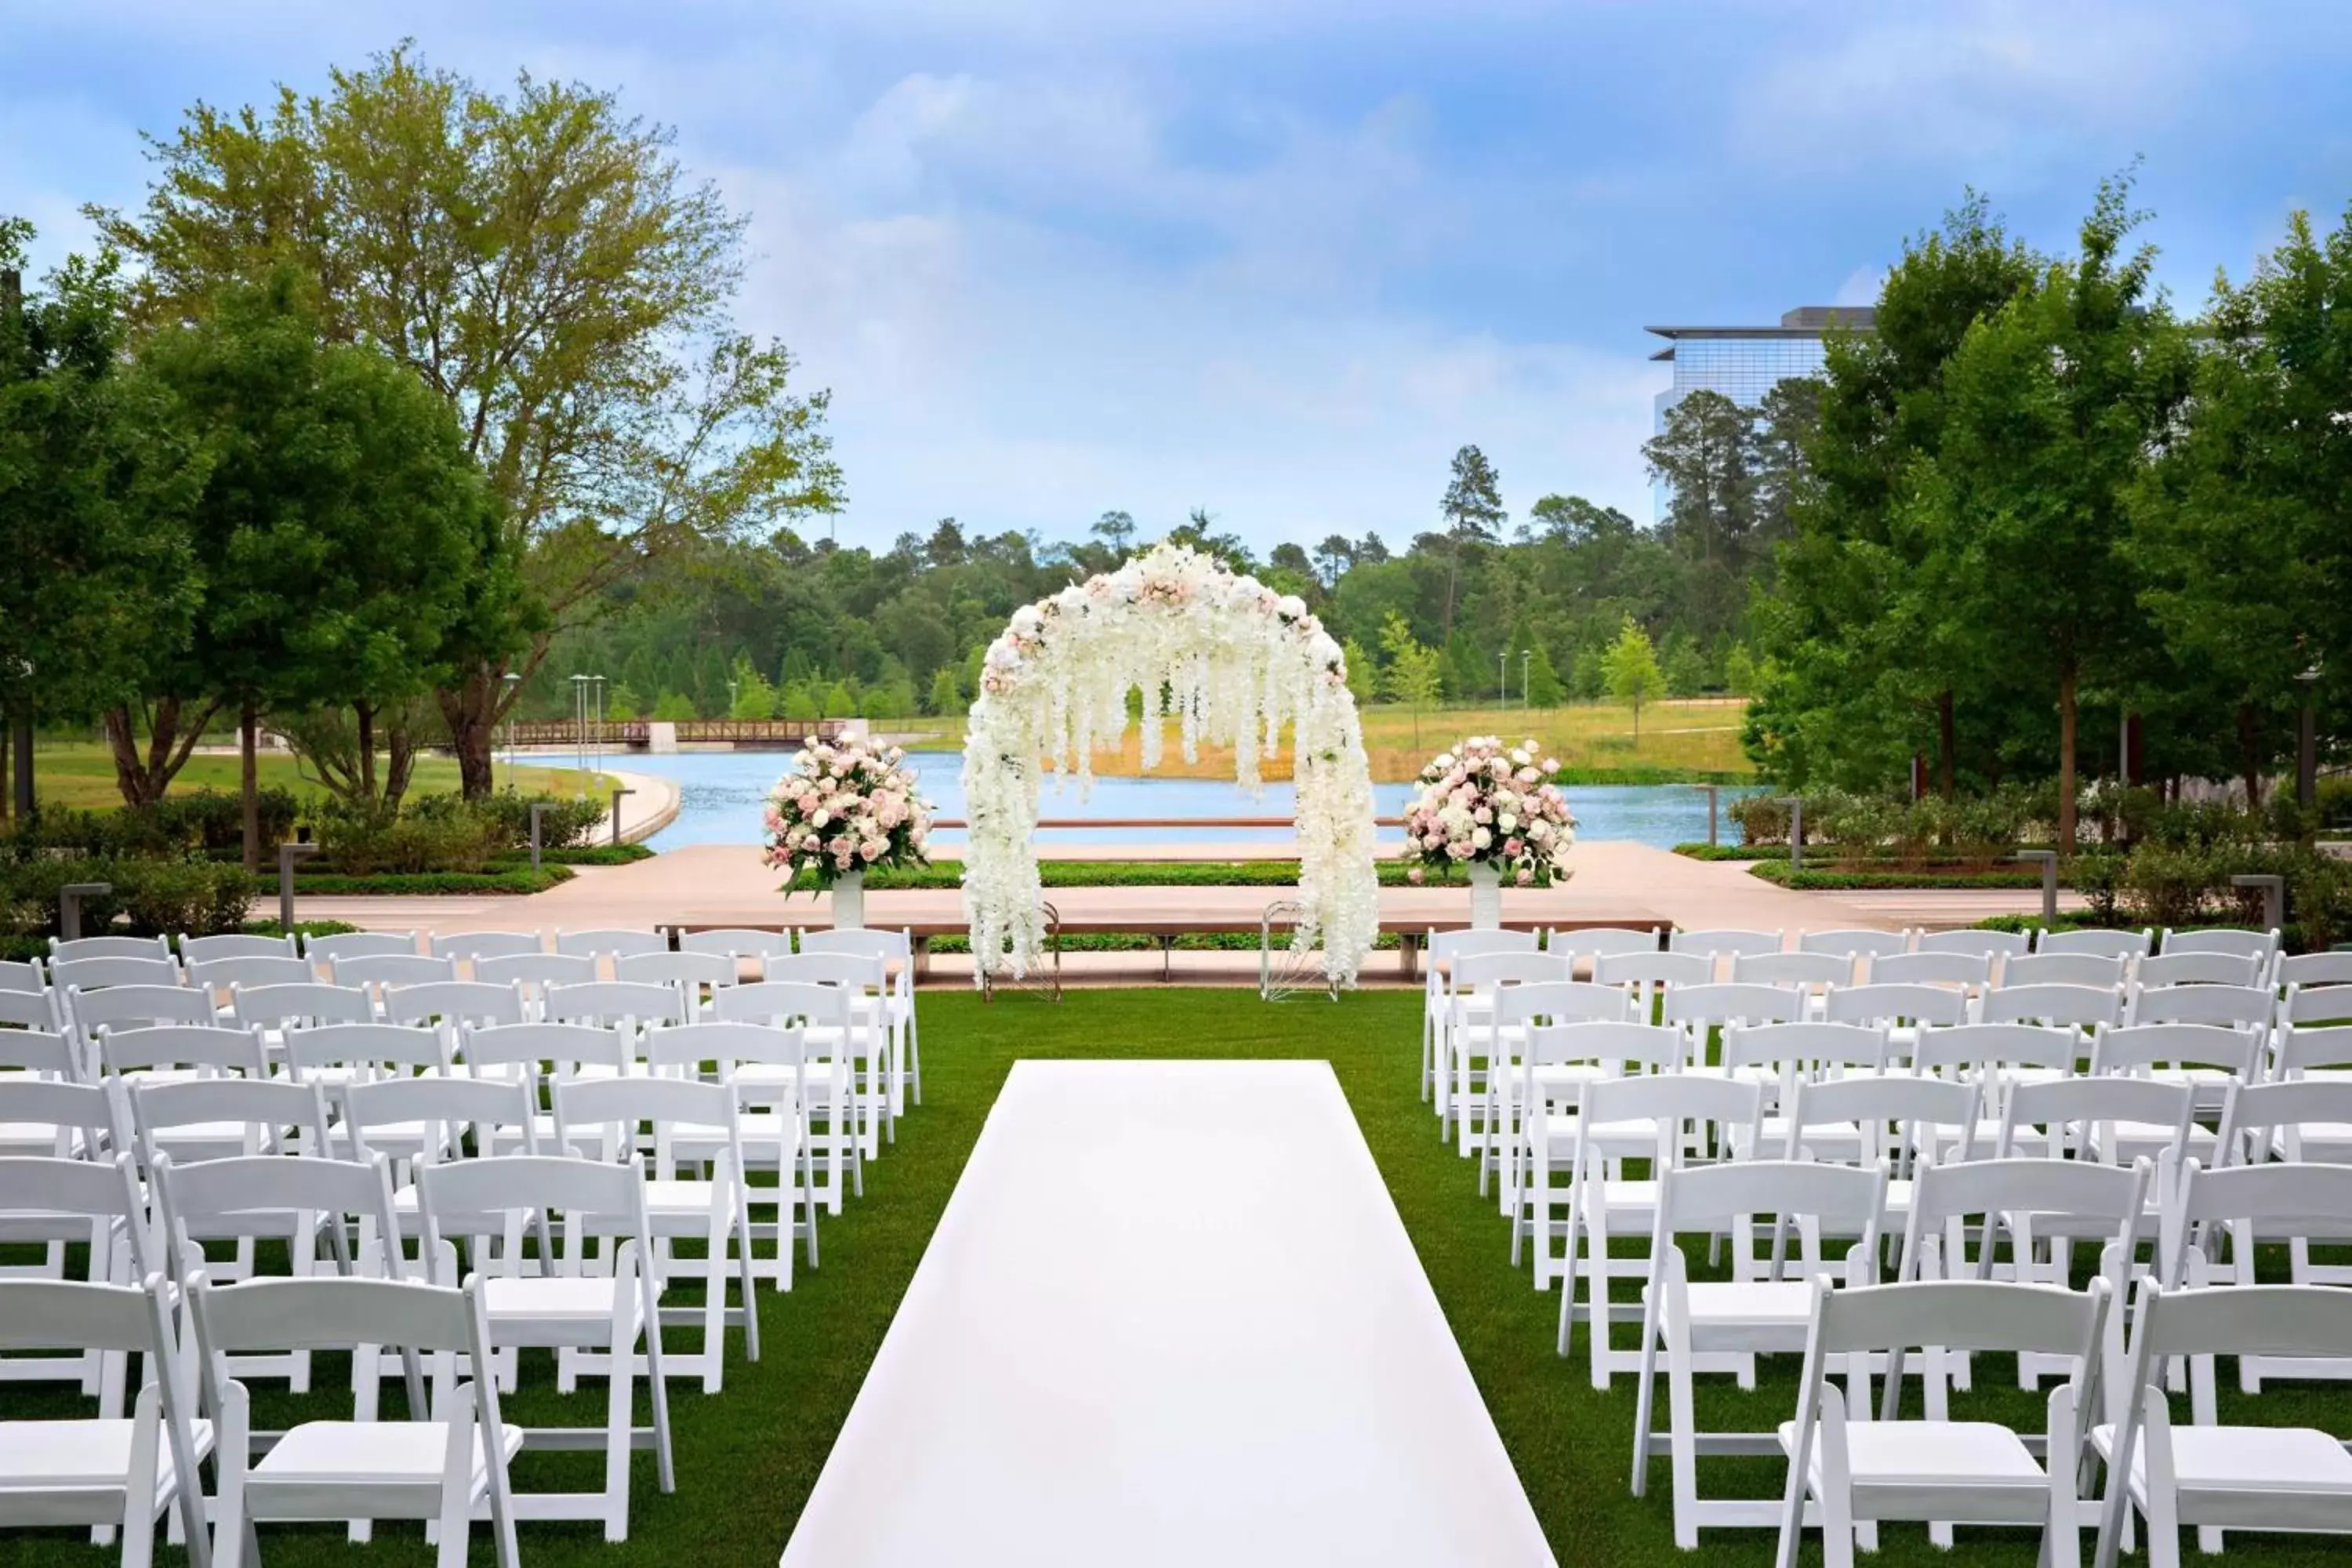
[{"x": 636, "y": 733}]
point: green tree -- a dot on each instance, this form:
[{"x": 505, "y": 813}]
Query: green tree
[
  {"x": 751, "y": 697},
  {"x": 1116, "y": 529},
  {"x": 1363, "y": 674},
  {"x": 947, "y": 694},
  {"x": 625, "y": 706},
  {"x": 1472, "y": 510},
  {"x": 2244, "y": 524},
  {"x": 1739, "y": 670},
  {"x": 1415, "y": 671},
  {"x": 1684, "y": 667},
  {"x": 2053, "y": 404},
  {"x": 540, "y": 262},
  {"x": 344, "y": 538},
  {"x": 675, "y": 707},
  {"x": 1333, "y": 557},
  {"x": 99, "y": 476},
  {"x": 840, "y": 702},
  {"x": 1706, "y": 456},
  {"x": 1543, "y": 682},
  {"x": 1631, "y": 669}
]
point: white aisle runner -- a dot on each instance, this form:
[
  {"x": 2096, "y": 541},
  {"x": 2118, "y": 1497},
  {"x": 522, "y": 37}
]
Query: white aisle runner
[{"x": 1169, "y": 1316}]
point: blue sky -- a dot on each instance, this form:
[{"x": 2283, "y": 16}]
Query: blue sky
[{"x": 1280, "y": 258}]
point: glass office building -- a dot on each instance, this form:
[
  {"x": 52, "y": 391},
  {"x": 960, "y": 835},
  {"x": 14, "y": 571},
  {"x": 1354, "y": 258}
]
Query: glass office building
[{"x": 1743, "y": 362}]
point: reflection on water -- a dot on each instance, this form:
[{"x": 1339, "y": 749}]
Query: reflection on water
[{"x": 720, "y": 792}]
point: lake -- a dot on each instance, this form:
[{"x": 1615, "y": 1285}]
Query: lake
[{"x": 720, "y": 795}]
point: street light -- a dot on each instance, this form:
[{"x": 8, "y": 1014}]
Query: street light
[
  {"x": 598, "y": 730},
  {"x": 514, "y": 763},
  {"x": 731, "y": 684},
  {"x": 580, "y": 733},
  {"x": 2307, "y": 749},
  {"x": 1525, "y": 654},
  {"x": 1503, "y": 663}
]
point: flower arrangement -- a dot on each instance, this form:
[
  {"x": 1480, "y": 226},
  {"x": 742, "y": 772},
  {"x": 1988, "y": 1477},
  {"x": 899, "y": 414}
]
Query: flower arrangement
[
  {"x": 844, "y": 806},
  {"x": 1232, "y": 662},
  {"x": 1483, "y": 804}
]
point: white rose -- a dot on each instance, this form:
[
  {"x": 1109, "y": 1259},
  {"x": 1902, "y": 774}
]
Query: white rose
[
  {"x": 1290, "y": 606},
  {"x": 1499, "y": 768},
  {"x": 1507, "y": 822},
  {"x": 821, "y": 818},
  {"x": 1518, "y": 756},
  {"x": 1480, "y": 838},
  {"x": 1444, "y": 763}
]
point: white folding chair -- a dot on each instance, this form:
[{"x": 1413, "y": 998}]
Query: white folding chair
[
  {"x": 102, "y": 974},
  {"x": 895, "y": 948},
  {"x": 2315, "y": 969},
  {"x": 864, "y": 1037},
  {"x": 610, "y": 943},
  {"x": 2260, "y": 945},
  {"x": 2124, "y": 944},
  {"x": 1592, "y": 944},
  {"x": 1815, "y": 975},
  {"x": 819, "y": 1079},
  {"x": 34, "y": 1060},
  {"x": 2104, "y": 972},
  {"x": 92, "y": 1202},
  {"x": 2204, "y": 1058},
  {"x": 106, "y": 1472},
  {"x": 22, "y": 975},
  {"x": 1781, "y": 1056},
  {"x": 1474, "y": 1043},
  {"x": 533, "y": 974},
  {"x": 336, "y": 1055},
  {"x": 2251, "y": 1207},
  {"x": 694, "y": 1127},
  {"x": 696, "y": 976},
  {"x": 1512, "y": 1087},
  {"x": 359, "y": 944},
  {"x": 270, "y": 1197},
  {"x": 175, "y": 1054},
  {"x": 1970, "y": 973},
  {"x": 1725, "y": 944},
  {"x": 1859, "y": 1471},
  {"x": 217, "y": 976},
  {"x": 2079, "y": 1009},
  {"x": 1992, "y": 945},
  {"x": 1649, "y": 976},
  {"x": 567, "y": 1306},
  {"x": 90, "y": 1014},
  {"x": 1855, "y": 944},
  {"x": 736, "y": 943},
  {"x": 433, "y": 1115},
  {"x": 1899, "y": 1007},
  {"x": 632, "y": 1006},
  {"x": 195, "y": 949},
  {"x": 450, "y": 1003},
  {"x": 1703, "y": 1010},
  {"x": 1760, "y": 1309},
  {"x": 469, "y": 948},
  {"x": 2105, "y": 1117},
  {"x": 772, "y": 1123},
  {"x": 2247, "y": 1007},
  {"x": 83, "y": 948},
  {"x": 441, "y": 1469},
  {"x": 1559, "y": 1062},
  {"x": 1907, "y": 1121},
  {"x": 557, "y": 1052},
  {"x": 273, "y": 1010},
  {"x": 2208, "y": 1475},
  {"x": 379, "y": 971},
  {"x": 1686, "y": 1107},
  {"x": 2196, "y": 968}
]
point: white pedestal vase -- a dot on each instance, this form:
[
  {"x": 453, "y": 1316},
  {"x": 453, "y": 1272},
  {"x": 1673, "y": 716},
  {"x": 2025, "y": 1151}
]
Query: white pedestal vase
[
  {"x": 849, "y": 901},
  {"x": 1485, "y": 895}
]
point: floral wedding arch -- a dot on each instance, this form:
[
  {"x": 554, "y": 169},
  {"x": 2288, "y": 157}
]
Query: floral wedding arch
[{"x": 1232, "y": 662}]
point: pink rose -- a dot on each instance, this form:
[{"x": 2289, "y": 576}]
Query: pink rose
[
  {"x": 872, "y": 849},
  {"x": 1525, "y": 877},
  {"x": 809, "y": 803},
  {"x": 1483, "y": 815},
  {"x": 1433, "y": 841},
  {"x": 1511, "y": 848},
  {"x": 1459, "y": 849},
  {"x": 1415, "y": 876}
]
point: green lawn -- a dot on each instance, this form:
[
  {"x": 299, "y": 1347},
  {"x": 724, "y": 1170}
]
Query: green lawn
[
  {"x": 81, "y": 773},
  {"x": 748, "y": 1457}
]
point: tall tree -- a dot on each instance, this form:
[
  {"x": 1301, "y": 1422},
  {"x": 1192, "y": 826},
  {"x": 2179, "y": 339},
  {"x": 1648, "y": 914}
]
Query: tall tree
[
  {"x": 1116, "y": 530},
  {"x": 2053, "y": 403},
  {"x": 2244, "y": 525},
  {"x": 1472, "y": 510},
  {"x": 1415, "y": 673},
  {"x": 544, "y": 266},
  {"x": 347, "y": 544},
  {"x": 1631, "y": 669},
  {"x": 1333, "y": 557},
  {"x": 1706, "y": 456},
  {"x": 99, "y": 476}
]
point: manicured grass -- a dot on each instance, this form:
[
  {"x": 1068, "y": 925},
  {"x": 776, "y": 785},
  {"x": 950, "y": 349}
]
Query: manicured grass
[
  {"x": 748, "y": 1457},
  {"x": 81, "y": 773},
  {"x": 1594, "y": 741}
]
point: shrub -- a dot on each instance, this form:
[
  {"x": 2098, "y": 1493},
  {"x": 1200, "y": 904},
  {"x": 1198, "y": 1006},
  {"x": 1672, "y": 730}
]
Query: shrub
[
  {"x": 1761, "y": 818},
  {"x": 2170, "y": 884},
  {"x": 2099, "y": 875},
  {"x": 2320, "y": 892},
  {"x": 428, "y": 837},
  {"x": 191, "y": 898},
  {"x": 563, "y": 823}
]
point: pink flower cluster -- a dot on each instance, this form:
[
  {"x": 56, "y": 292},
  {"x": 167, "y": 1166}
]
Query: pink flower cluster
[
  {"x": 846, "y": 806},
  {"x": 1483, "y": 803}
]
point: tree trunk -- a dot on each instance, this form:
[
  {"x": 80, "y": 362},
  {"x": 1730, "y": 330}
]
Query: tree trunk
[
  {"x": 2066, "y": 761},
  {"x": 365, "y": 713},
  {"x": 144, "y": 779},
  {"x": 471, "y": 710},
  {"x": 7, "y": 804},
  {"x": 2249, "y": 754},
  {"x": 1947, "y": 742},
  {"x": 248, "y": 779}
]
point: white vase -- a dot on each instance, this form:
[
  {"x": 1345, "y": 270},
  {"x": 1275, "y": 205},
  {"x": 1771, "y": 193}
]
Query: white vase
[
  {"x": 1485, "y": 895},
  {"x": 849, "y": 901}
]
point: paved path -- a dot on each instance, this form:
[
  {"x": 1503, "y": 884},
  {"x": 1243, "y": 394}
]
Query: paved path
[
  {"x": 1615, "y": 881},
  {"x": 1217, "y": 1347}
]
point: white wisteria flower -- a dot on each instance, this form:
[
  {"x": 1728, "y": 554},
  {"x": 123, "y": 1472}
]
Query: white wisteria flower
[{"x": 1227, "y": 658}]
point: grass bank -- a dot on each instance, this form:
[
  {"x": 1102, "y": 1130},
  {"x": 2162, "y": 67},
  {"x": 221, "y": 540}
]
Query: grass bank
[{"x": 81, "y": 773}]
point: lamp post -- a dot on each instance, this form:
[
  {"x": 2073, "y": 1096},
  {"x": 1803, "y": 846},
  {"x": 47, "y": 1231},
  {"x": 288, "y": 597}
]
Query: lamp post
[
  {"x": 513, "y": 762},
  {"x": 580, "y": 733},
  {"x": 2306, "y": 744},
  {"x": 1503, "y": 663},
  {"x": 597, "y": 726},
  {"x": 1525, "y": 654},
  {"x": 731, "y": 684}
]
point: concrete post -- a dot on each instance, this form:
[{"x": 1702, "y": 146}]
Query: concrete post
[
  {"x": 616, "y": 815},
  {"x": 70, "y": 897},
  {"x": 1712, "y": 793},
  {"x": 2048, "y": 860},
  {"x": 537, "y": 806},
  {"x": 288, "y": 854},
  {"x": 2273, "y": 891},
  {"x": 1796, "y": 805}
]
